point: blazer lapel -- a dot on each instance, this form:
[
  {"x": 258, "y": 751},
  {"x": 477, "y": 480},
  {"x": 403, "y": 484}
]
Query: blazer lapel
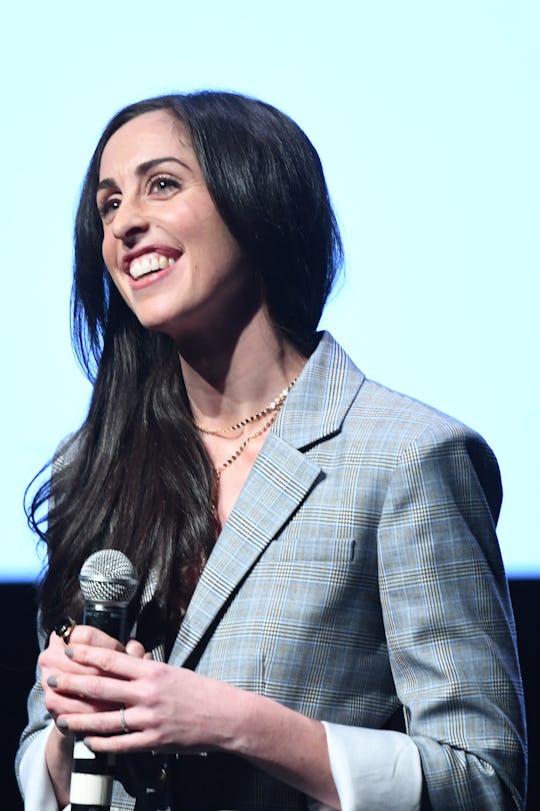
[{"x": 277, "y": 484}]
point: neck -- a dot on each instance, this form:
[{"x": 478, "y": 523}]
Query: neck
[{"x": 242, "y": 376}]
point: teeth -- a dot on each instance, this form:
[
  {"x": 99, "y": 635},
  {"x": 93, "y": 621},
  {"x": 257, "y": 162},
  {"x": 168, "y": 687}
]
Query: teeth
[{"x": 148, "y": 264}]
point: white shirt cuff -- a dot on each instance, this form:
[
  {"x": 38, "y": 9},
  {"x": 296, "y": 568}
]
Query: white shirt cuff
[
  {"x": 374, "y": 769},
  {"x": 34, "y": 776}
]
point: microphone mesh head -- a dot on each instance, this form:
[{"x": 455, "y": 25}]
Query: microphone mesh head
[{"x": 108, "y": 576}]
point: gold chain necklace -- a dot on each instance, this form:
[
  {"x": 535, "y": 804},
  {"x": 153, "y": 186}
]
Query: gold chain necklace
[
  {"x": 234, "y": 456},
  {"x": 272, "y": 407}
]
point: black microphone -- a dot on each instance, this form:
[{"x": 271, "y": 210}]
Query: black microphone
[{"x": 108, "y": 583}]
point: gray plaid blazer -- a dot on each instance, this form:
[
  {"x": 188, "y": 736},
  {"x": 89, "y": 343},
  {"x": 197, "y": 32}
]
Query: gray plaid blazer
[{"x": 359, "y": 580}]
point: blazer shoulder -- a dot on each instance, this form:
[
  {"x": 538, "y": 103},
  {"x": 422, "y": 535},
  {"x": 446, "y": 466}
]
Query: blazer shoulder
[
  {"x": 400, "y": 414},
  {"x": 396, "y": 425}
]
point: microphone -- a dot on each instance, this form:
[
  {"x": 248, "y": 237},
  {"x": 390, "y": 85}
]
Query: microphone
[{"x": 108, "y": 582}]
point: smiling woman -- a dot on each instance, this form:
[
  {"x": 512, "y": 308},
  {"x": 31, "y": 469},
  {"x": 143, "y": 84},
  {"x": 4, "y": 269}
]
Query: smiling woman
[
  {"x": 165, "y": 245},
  {"x": 317, "y": 554}
]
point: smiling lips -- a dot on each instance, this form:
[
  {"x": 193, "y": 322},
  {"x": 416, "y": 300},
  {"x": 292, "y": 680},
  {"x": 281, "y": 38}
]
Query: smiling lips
[{"x": 149, "y": 263}]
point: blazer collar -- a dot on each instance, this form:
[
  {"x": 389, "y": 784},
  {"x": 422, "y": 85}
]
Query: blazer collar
[
  {"x": 321, "y": 397},
  {"x": 278, "y": 483}
]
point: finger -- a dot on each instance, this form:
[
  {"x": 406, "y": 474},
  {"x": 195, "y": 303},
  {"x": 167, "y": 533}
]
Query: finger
[
  {"x": 134, "y": 648},
  {"x": 89, "y": 688},
  {"x": 53, "y": 654},
  {"x": 87, "y": 635},
  {"x": 61, "y": 705},
  {"x": 122, "y": 743},
  {"x": 110, "y": 662},
  {"x": 55, "y": 641},
  {"x": 108, "y": 722},
  {"x": 94, "y": 689},
  {"x": 53, "y": 660}
]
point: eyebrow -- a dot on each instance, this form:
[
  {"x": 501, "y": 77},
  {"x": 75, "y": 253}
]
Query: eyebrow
[{"x": 142, "y": 169}]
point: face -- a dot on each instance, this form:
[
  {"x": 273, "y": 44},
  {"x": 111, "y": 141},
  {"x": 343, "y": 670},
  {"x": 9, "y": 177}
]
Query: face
[{"x": 167, "y": 249}]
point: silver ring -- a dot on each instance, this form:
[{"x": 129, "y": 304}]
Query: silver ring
[{"x": 125, "y": 727}]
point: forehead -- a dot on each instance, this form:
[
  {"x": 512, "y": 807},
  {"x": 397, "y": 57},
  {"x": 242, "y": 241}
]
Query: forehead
[{"x": 148, "y": 136}]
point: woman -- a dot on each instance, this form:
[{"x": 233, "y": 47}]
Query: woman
[{"x": 323, "y": 610}]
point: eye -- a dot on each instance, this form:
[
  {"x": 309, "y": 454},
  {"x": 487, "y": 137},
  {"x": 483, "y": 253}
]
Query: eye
[
  {"x": 107, "y": 207},
  {"x": 164, "y": 185}
]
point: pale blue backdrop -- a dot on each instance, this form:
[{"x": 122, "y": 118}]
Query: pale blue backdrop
[{"x": 426, "y": 117}]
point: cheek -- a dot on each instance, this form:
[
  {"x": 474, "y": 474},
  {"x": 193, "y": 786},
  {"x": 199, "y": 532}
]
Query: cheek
[
  {"x": 116, "y": 275},
  {"x": 222, "y": 247},
  {"x": 107, "y": 253}
]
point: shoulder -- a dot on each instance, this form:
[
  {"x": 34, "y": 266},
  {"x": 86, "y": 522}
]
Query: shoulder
[
  {"x": 377, "y": 426},
  {"x": 372, "y": 408},
  {"x": 382, "y": 409}
]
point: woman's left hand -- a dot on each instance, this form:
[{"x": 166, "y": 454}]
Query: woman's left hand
[
  {"x": 172, "y": 709},
  {"x": 165, "y": 708}
]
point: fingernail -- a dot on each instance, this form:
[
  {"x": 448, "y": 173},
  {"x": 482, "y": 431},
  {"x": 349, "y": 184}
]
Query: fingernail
[
  {"x": 85, "y": 741},
  {"x": 69, "y": 652},
  {"x": 52, "y": 681},
  {"x": 62, "y": 723}
]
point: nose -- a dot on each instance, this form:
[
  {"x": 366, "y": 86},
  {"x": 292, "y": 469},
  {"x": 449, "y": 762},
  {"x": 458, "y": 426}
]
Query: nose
[{"x": 129, "y": 221}]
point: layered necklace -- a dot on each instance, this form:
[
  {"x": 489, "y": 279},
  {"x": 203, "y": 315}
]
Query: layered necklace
[{"x": 267, "y": 414}]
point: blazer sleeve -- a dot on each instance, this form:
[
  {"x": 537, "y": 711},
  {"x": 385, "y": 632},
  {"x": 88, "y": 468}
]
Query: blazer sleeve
[
  {"x": 449, "y": 622},
  {"x": 38, "y": 716}
]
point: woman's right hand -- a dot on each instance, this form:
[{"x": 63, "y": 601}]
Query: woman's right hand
[{"x": 53, "y": 662}]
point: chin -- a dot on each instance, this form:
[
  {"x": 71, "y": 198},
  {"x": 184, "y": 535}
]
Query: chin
[{"x": 167, "y": 325}]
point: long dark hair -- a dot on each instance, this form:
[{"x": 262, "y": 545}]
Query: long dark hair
[{"x": 136, "y": 476}]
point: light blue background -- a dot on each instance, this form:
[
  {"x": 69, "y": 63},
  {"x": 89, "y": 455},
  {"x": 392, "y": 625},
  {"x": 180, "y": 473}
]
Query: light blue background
[{"x": 426, "y": 117}]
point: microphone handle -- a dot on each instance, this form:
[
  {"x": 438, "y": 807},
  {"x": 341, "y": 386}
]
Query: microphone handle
[
  {"x": 108, "y": 617},
  {"x": 92, "y": 773},
  {"x": 91, "y": 779}
]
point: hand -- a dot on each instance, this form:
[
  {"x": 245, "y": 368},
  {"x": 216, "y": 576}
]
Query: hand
[
  {"x": 172, "y": 709},
  {"x": 54, "y": 666},
  {"x": 53, "y": 663},
  {"x": 166, "y": 708}
]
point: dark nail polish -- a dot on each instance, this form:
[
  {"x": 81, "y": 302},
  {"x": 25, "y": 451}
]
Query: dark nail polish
[
  {"x": 69, "y": 652},
  {"x": 62, "y": 723},
  {"x": 52, "y": 681}
]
